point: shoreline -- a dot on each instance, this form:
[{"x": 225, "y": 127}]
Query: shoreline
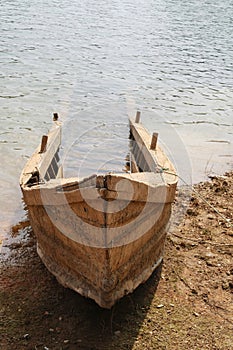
[
  {"x": 15, "y": 226},
  {"x": 186, "y": 304}
]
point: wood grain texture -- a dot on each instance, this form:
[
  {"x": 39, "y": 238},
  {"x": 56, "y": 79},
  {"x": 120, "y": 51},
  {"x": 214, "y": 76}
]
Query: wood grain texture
[{"x": 103, "y": 235}]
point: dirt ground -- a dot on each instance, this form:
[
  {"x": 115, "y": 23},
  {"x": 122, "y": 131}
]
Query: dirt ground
[{"x": 186, "y": 304}]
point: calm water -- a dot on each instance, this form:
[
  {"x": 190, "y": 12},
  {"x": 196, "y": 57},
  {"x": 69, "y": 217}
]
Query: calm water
[{"x": 95, "y": 61}]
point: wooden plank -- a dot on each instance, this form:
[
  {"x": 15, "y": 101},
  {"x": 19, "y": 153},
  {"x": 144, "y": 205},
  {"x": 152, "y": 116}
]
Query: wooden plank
[
  {"x": 138, "y": 229},
  {"x": 157, "y": 160},
  {"x": 142, "y": 187},
  {"x": 60, "y": 172},
  {"x": 54, "y": 141},
  {"x": 142, "y": 138},
  {"x": 40, "y": 161},
  {"x": 133, "y": 164}
]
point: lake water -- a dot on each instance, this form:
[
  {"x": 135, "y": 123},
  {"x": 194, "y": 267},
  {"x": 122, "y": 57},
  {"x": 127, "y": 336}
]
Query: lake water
[{"x": 95, "y": 62}]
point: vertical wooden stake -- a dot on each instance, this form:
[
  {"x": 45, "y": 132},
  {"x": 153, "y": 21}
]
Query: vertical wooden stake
[
  {"x": 154, "y": 141},
  {"x": 137, "y": 119},
  {"x": 55, "y": 116},
  {"x": 43, "y": 143}
]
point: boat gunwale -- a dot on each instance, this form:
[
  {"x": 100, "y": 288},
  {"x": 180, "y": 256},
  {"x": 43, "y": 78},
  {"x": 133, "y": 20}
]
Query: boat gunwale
[{"x": 37, "y": 158}]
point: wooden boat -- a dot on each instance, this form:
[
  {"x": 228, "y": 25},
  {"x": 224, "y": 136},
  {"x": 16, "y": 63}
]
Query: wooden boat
[{"x": 103, "y": 235}]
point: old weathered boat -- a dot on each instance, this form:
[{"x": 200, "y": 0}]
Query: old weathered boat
[{"x": 103, "y": 235}]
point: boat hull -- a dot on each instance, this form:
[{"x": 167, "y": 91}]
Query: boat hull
[
  {"x": 104, "y": 274},
  {"x": 103, "y": 235}
]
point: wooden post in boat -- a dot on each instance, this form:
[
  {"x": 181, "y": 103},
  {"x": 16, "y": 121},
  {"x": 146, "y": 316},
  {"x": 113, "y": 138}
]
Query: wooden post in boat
[
  {"x": 55, "y": 117},
  {"x": 137, "y": 119},
  {"x": 154, "y": 141},
  {"x": 43, "y": 143}
]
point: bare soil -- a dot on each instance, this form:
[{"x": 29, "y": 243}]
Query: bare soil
[{"x": 186, "y": 304}]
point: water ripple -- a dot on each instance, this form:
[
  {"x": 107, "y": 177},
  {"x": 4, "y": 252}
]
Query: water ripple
[{"x": 171, "y": 57}]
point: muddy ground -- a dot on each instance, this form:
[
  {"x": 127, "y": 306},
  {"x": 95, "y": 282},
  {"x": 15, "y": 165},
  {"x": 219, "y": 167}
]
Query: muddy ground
[{"x": 186, "y": 304}]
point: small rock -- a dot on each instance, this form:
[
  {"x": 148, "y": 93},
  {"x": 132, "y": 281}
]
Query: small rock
[
  {"x": 212, "y": 177},
  {"x": 218, "y": 189},
  {"x": 66, "y": 341},
  {"x": 51, "y": 330},
  {"x": 210, "y": 217},
  {"x": 60, "y": 318},
  {"x": 26, "y": 336},
  {"x": 209, "y": 255},
  {"x": 191, "y": 212},
  {"x": 225, "y": 285},
  {"x": 160, "y": 306},
  {"x": 196, "y": 314}
]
